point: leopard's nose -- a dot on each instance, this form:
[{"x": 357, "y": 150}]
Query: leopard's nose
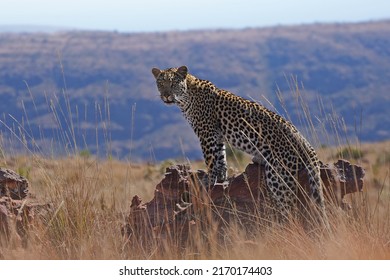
[
  {"x": 167, "y": 98},
  {"x": 164, "y": 98}
]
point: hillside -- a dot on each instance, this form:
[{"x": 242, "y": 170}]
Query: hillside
[{"x": 71, "y": 91}]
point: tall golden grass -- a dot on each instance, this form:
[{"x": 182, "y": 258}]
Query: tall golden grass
[{"x": 91, "y": 198}]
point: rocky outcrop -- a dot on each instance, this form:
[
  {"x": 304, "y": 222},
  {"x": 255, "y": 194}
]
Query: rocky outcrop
[
  {"x": 17, "y": 211},
  {"x": 12, "y": 184},
  {"x": 180, "y": 203}
]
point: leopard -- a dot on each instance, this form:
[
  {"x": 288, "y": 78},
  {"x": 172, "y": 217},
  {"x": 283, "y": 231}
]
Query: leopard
[{"x": 218, "y": 116}]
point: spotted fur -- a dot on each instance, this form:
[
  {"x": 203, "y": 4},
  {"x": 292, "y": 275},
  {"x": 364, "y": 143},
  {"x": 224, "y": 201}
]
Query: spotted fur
[{"x": 218, "y": 116}]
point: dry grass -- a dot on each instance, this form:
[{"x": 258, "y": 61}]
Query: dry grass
[{"x": 91, "y": 199}]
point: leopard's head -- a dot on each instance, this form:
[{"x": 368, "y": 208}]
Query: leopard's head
[{"x": 171, "y": 84}]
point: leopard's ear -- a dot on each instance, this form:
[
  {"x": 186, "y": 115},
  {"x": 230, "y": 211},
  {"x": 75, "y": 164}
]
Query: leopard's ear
[
  {"x": 156, "y": 72},
  {"x": 183, "y": 71}
]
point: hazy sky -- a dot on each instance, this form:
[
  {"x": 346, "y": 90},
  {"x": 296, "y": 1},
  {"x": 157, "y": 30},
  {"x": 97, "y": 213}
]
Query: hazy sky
[{"x": 155, "y": 15}]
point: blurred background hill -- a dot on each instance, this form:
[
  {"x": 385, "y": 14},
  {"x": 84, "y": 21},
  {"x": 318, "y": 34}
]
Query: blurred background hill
[{"x": 93, "y": 91}]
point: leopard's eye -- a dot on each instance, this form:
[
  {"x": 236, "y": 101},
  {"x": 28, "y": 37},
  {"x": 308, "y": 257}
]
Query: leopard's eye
[{"x": 160, "y": 85}]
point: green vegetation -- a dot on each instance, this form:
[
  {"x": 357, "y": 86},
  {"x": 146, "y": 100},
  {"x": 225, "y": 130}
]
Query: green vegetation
[
  {"x": 85, "y": 153},
  {"x": 350, "y": 153}
]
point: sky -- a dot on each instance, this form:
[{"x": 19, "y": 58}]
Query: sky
[{"x": 160, "y": 15}]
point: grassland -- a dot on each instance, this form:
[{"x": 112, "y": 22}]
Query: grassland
[{"x": 91, "y": 198}]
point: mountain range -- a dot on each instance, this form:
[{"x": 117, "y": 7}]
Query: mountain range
[{"x": 84, "y": 91}]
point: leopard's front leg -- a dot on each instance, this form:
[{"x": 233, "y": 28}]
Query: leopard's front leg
[{"x": 215, "y": 158}]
